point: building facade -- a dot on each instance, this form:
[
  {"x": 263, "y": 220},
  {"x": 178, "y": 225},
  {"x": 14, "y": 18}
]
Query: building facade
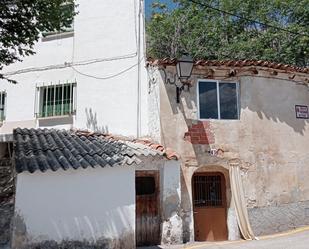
[
  {"x": 251, "y": 114},
  {"x": 90, "y": 77},
  {"x": 89, "y": 190},
  {"x": 245, "y": 114}
]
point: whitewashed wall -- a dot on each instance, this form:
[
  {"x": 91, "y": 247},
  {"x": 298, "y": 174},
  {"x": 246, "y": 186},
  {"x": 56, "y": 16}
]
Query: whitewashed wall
[
  {"x": 172, "y": 232},
  {"x": 154, "y": 105},
  {"x": 107, "y": 93},
  {"x": 85, "y": 204}
]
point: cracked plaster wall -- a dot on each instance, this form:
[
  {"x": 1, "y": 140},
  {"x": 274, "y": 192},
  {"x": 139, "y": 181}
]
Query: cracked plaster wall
[{"x": 268, "y": 140}]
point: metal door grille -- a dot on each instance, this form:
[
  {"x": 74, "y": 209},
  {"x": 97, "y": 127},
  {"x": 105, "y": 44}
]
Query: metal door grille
[{"x": 207, "y": 191}]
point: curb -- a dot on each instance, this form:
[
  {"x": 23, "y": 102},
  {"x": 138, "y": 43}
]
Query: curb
[{"x": 265, "y": 237}]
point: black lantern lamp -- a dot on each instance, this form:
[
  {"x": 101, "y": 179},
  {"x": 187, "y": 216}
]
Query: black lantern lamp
[{"x": 184, "y": 69}]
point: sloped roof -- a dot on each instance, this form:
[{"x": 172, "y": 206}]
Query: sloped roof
[
  {"x": 232, "y": 63},
  {"x": 43, "y": 149}
]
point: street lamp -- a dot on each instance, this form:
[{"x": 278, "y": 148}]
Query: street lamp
[{"x": 184, "y": 69}]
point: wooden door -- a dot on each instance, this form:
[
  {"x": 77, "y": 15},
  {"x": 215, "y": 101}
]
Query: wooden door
[
  {"x": 147, "y": 208},
  {"x": 209, "y": 207}
]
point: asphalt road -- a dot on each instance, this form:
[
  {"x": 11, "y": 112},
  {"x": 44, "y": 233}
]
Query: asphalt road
[{"x": 290, "y": 240}]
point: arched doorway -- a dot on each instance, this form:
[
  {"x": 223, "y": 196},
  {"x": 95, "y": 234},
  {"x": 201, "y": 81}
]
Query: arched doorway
[{"x": 209, "y": 206}]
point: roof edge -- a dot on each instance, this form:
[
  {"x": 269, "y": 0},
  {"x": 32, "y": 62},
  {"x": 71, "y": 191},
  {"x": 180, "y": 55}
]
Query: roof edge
[{"x": 230, "y": 63}]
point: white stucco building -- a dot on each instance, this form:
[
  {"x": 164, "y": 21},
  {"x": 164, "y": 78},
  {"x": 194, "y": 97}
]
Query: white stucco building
[
  {"x": 91, "y": 77},
  {"x": 88, "y": 190}
]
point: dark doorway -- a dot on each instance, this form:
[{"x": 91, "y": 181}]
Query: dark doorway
[
  {"x": 209, "y": 206},
  {"x": 147, "y": 208}
]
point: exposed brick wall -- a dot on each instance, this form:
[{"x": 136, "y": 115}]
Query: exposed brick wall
[{"x": 200, "y": 133}]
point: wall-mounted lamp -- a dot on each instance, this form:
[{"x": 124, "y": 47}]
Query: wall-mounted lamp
[{"x": 184, "y": 69}]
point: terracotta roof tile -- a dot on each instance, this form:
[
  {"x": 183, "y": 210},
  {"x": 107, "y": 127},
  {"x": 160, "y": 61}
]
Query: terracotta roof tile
[{"x": 232, "y": 63}]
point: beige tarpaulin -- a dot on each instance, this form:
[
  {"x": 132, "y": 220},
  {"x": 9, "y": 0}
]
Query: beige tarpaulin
[{"x": 238, "y": 198}]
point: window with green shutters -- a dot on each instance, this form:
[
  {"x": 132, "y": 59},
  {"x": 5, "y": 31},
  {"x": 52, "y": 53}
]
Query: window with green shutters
[{"x": 56, "y": 100}]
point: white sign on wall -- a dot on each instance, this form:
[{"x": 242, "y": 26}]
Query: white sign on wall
[{"x": 302, "y": 111}]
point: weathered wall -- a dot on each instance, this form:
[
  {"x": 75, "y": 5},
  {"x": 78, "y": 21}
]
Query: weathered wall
[
  {"x": 92, "y": 206},
  {"x": 154, "y": 106},
  {"x": 106, "y": 46},
  {"x": 269, "y": 141},
  {"x": 7, "y": 194},
  {"x": 170, "y": 198}
]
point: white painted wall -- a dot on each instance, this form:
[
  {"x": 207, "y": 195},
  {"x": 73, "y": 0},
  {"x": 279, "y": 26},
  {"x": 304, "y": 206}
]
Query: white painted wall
[
  {"x": 171, "y": 201},
  {"x": 154, "y": 105},
  {"x": 107, "y": 91},
  {"x": 88, "y": 204}
]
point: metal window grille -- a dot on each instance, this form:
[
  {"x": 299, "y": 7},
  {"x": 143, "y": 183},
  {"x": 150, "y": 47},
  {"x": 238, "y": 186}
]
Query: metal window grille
[
  {"x": 207, "y": 191},
  {"x": 2, "y": 105},
  {"x": 56, "y": 100}
]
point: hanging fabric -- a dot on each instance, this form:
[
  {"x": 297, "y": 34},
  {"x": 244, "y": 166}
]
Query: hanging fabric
[{"x": 238, "y": 199}]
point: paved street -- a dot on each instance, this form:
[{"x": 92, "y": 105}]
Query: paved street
[{"x": 291, "y": 240}]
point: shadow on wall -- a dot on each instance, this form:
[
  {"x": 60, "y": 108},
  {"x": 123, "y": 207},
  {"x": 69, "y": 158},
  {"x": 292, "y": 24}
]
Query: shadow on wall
[
  {"x": 92, "y": 122},
  {"x": 271, "y": 99},
  {"x": 103, "y": 234}
]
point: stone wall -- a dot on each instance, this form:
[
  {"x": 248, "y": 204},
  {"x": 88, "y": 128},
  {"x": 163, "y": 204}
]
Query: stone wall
[
  {"x": 267, "y": 220},
  {"x": 7, "y": 191}
]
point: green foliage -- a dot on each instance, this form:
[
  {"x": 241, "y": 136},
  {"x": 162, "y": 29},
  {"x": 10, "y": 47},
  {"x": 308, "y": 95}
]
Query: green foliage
[
  {"x": 22, "y": 22},
  {"x": 206, "y": 33}
]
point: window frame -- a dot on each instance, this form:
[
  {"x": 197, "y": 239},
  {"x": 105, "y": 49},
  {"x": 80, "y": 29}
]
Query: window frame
[
  {"x": 59, "y": 34},
  {"x": 218, "y": 98},
  {"x": 39, "y": 100}
]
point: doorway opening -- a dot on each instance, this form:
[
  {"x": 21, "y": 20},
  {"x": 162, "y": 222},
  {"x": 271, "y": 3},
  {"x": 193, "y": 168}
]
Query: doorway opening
[
  {"x": 209, "y": 206},
  {"x": 147, "y": 208}
]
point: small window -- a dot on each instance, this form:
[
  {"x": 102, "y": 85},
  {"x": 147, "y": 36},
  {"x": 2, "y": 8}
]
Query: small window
[
  {"x": 56, "y": 100},
  {"x": 145, "y": 185},
  {"x": 66, "y": 10},
  {"x": 218, "y": 100},
  {"x": 2, "y": 105}
]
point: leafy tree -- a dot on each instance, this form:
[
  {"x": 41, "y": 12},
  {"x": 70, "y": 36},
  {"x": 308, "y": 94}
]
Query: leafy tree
[
  {"x": 23, "y": 21},
  {"x": 213, "y": 33}
]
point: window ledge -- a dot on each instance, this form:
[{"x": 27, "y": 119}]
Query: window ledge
[
  {"x": 56, "y": 117},
  {"x": 55, "y": 120},
  {"x": 61, "y": 35}
]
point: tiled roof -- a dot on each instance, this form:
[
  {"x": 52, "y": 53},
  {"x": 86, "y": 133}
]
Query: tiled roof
[
  {"x": 232, "y": 63},
  {"x": 43, "y": 149}
]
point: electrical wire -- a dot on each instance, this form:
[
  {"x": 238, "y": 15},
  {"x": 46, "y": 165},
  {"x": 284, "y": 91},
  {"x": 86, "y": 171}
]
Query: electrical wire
[
  {"x": 107, "y": 77},
  {"x": 82, "y": 63},
  {"x": 246, "y": 19},
  {"x": 70, "y": 64}
]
